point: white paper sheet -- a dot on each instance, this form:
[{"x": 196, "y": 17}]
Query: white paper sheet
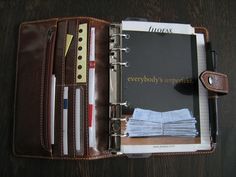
[{"x": 158, "y": 27}]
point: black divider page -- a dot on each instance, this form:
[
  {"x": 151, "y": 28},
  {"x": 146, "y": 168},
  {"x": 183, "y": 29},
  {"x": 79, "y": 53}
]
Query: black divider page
[{"x": 162, "y": 73}]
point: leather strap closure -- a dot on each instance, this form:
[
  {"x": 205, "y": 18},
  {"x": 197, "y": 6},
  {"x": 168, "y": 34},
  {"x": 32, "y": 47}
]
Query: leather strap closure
[{"x": 215, "y": 82}]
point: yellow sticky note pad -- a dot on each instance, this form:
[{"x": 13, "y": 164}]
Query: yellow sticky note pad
[{"x": 69, "y": 38}]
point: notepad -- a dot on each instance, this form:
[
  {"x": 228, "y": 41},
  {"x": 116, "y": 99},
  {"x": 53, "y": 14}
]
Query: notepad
[{"x": 162, "y": 76}]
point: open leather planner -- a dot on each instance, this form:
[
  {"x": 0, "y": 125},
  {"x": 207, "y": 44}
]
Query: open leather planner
[{"x": 88, "y": 89}]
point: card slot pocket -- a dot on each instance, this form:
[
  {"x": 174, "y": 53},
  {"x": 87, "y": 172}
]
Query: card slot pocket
[
  {"x": 34, "y": 67},
  {"x": 59, "y": 63},
  {"x": 71, "y": 122},
  {"x": 71, "y": 54},
  {"x": 65, "y": 71},
  {"x": 59, "y": 71},
  {"x": 79, "y": 120},
  {"x": 69, "y": 135},
  {"x": 98, "y": 67},
  {"x": 100, "y": 146},
  {"x": 75, "y": 148},
  {"x": 57, "y": 147},
  {"x": 46, "y": 90},
  {"x": 82, "y": 79}
]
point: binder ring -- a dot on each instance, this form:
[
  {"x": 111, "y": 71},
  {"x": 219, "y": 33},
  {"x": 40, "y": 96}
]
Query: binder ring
[
  {"x": 113, "y": 54},
  {"x": 125, "y": 64},
  {"x": 115, "y": 126},
  {"x": 119, "y": 119},
  {"x": 126, "y": 36},
  {"x": 121, "y": 104},
  {"x": 121, "y": 49},
  {"x": 120, "y": 135}
]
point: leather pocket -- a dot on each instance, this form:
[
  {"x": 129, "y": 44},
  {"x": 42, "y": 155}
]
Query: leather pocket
[
  {"x": 46, "y": 79},
  {"x": 59, "y": 70},
  {"x": 33, "y": 85},
  {"x": 101, "y": 88}
]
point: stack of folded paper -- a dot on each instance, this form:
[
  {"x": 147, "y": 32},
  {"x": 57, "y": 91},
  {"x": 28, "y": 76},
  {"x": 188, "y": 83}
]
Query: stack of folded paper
[{"x": 151, "y": 123}]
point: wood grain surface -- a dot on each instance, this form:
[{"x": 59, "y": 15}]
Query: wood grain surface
[{"x": 220, "y": 19}]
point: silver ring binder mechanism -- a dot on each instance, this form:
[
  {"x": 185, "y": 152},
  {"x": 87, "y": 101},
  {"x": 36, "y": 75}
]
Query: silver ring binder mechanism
[
  {"x": 127, "y": 36},
  {"x": 119, "y": 135},
  {"x": 116, "y": 63},
  {"x": 125, "y": 119},
  {"x": 120, "y": 104},
  {"x": 125, "y": 64},
  {"x": 121, "y": 49}
]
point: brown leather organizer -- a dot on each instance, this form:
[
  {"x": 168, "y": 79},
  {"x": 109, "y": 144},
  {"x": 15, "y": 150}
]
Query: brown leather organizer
[{"x": 41, "y": 49}]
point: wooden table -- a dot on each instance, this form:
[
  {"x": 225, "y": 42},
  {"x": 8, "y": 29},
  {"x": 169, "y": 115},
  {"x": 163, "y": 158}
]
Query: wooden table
[{"x": 220, "y": 19}]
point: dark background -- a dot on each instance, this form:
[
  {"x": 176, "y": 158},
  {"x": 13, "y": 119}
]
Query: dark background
[{"x": 218, "y": 16}]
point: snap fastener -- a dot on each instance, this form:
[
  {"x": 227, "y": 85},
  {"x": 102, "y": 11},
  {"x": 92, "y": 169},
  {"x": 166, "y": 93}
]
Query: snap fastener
[{"x": 210, "y": 80}]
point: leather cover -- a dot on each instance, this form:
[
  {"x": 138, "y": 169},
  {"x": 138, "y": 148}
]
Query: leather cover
[{"x": 41, "y": 47}]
